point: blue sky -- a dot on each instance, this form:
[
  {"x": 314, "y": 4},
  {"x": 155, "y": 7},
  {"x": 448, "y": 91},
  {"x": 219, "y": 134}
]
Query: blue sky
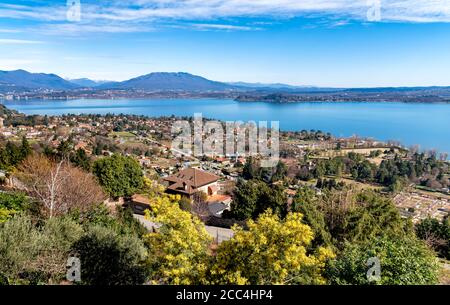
[{"x": 338, "y": 43}]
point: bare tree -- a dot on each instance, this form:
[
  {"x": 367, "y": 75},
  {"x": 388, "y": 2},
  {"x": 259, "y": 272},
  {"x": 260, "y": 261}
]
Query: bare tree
[
  {"x": 433, "y": 241},
  {"x": 336, "y": 206},
  {"x": 59, "y": 187},
  {"x": 200, "y": 206}
]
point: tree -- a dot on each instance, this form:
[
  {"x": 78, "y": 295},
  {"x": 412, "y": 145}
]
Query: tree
[
  {"x": 436, "y": 234},
  {"x": 178, "y": 250},
  {"x": 319, "y": 170},
  {"x": 372, "y": 216},
  {"x": 251, "y": 169},
  {"x": 108, "y": 258},
  {"x": 12, "y": 155},
  {"x": 364, "y": 171},
  {"x": 245, "y": 199},
  {"x": 19, "y": 245},
  {"x": 81, "y": 159},
  {"x": 271, "y": 251},
  {"x": 25, "y": 148},
  {"x": 404, "y": 260},
  {"x": 358, "y": 217},
  {"x": 306, "y": 203},
  {"x": 121, "y": 220},
  {"x": 280, "y": 172},
  {"x": 185, "y": 204},
  {"x": 304, "y": 173},
  {"x": 59, "y": 187},
  {"x": 253, "y": 197},
  {"x": 398, "y": 184},
  {"x": 199, "y": 205},
  {"x": 119, "y": 175},
  {"x": 33, "y": 255}
]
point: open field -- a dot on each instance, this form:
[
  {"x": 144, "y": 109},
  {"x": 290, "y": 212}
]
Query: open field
[
  {"x": 122, "y": 134},
  {"x": 331, "y": 153},
  {"x": 359, "y": 185},
  {"x": 364, "y": 151}
]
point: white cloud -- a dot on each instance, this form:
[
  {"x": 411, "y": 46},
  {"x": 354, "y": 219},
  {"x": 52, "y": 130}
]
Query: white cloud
[
  {"x": 13, "y": 63},
  {"x": 80, "y": 29},
  {"x": 224, "y": 27},
  {"x": 47, "y": 13},
  {"x": 9, "y": 31},
  {"x": 115, "y": 16},
  {"x": 392, "y": 10},
  {"x": 18, "y": 41}
]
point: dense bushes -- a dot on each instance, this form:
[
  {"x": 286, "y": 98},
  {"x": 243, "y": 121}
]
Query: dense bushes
[
  {"x": 108, "y": 258},
  {"x": 253, "y": 197},
  {"x": 11, "y": 155},
  {"x": 33, "y": 254},
  {"x": 110, "y": 248},
  {"x": 11, "y": 204},
  {"x": 296, "y": 249},
  {"x": 403, "y": 261},
  {"x": 362, "y": 225}
]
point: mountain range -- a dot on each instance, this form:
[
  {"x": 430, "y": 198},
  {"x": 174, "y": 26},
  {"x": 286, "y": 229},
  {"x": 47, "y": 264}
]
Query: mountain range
[
  {"x": 21, "y": 80},
  {"x": 156, "y": 81},
  {"x": 26, "y": 80}
]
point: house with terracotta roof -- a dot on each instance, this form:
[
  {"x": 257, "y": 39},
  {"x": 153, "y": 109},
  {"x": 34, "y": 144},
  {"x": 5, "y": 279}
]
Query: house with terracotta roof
[
  {"x": 139, "y": 203},
  {"x": 189, "y": 181}
]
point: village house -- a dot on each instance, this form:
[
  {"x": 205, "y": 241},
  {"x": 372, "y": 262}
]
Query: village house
[
  {"x": 189, "y": 181},
  {"x": 217, "y": 204},
  {"x": 138, "y": 203}
]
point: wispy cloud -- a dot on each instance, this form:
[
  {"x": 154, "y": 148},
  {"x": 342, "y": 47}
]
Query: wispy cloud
[
  {"x": 14, "y": 63},
  {"x": 19, "y": 41},
  {"x": 392, "y": 10},
  {"x": 9, "y": 31},
  {"x": 41, "y": 13},
  {"x": 118, "y": 16},
  {"x": 80, "y": 29},
  {"x": 223, "y": 27}
]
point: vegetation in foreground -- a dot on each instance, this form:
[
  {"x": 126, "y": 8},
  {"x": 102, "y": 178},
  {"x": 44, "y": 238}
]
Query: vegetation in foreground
[
  {"x": 325, "y": 235},
  {"x": 317, "y": 240}
]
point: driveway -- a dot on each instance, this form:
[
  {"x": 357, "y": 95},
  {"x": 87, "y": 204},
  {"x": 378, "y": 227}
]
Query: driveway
[{"x": 219, "y": 234}]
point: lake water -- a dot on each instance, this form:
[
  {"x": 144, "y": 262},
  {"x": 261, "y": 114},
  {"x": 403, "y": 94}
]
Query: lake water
[{"x": 427, "y": 125}]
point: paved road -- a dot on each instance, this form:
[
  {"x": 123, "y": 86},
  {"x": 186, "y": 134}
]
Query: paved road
[{"x": 220, "y": 234}]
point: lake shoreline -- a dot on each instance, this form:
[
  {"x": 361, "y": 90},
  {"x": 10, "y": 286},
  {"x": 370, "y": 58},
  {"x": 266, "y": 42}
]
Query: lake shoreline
[
  {"x": 2, "y": 100},
  {"x": 424, "y": 124}
]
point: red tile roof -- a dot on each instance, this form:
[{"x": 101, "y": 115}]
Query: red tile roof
[
  {"x": 218, "y": 198},
  {"x": 138, "y": 198},
  {"x": 188, "y": 180}
]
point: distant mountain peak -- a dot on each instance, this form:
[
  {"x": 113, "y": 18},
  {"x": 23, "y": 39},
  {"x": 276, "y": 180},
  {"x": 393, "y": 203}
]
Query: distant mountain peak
[
  {"x": 170, "y": 81},
  {"x": 86, "y": 82},
  {"x": 24, "y": 79}
]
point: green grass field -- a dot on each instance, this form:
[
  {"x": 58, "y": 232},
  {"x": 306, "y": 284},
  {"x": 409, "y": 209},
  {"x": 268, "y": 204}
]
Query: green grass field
[{"x": 122, "y": 134}]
